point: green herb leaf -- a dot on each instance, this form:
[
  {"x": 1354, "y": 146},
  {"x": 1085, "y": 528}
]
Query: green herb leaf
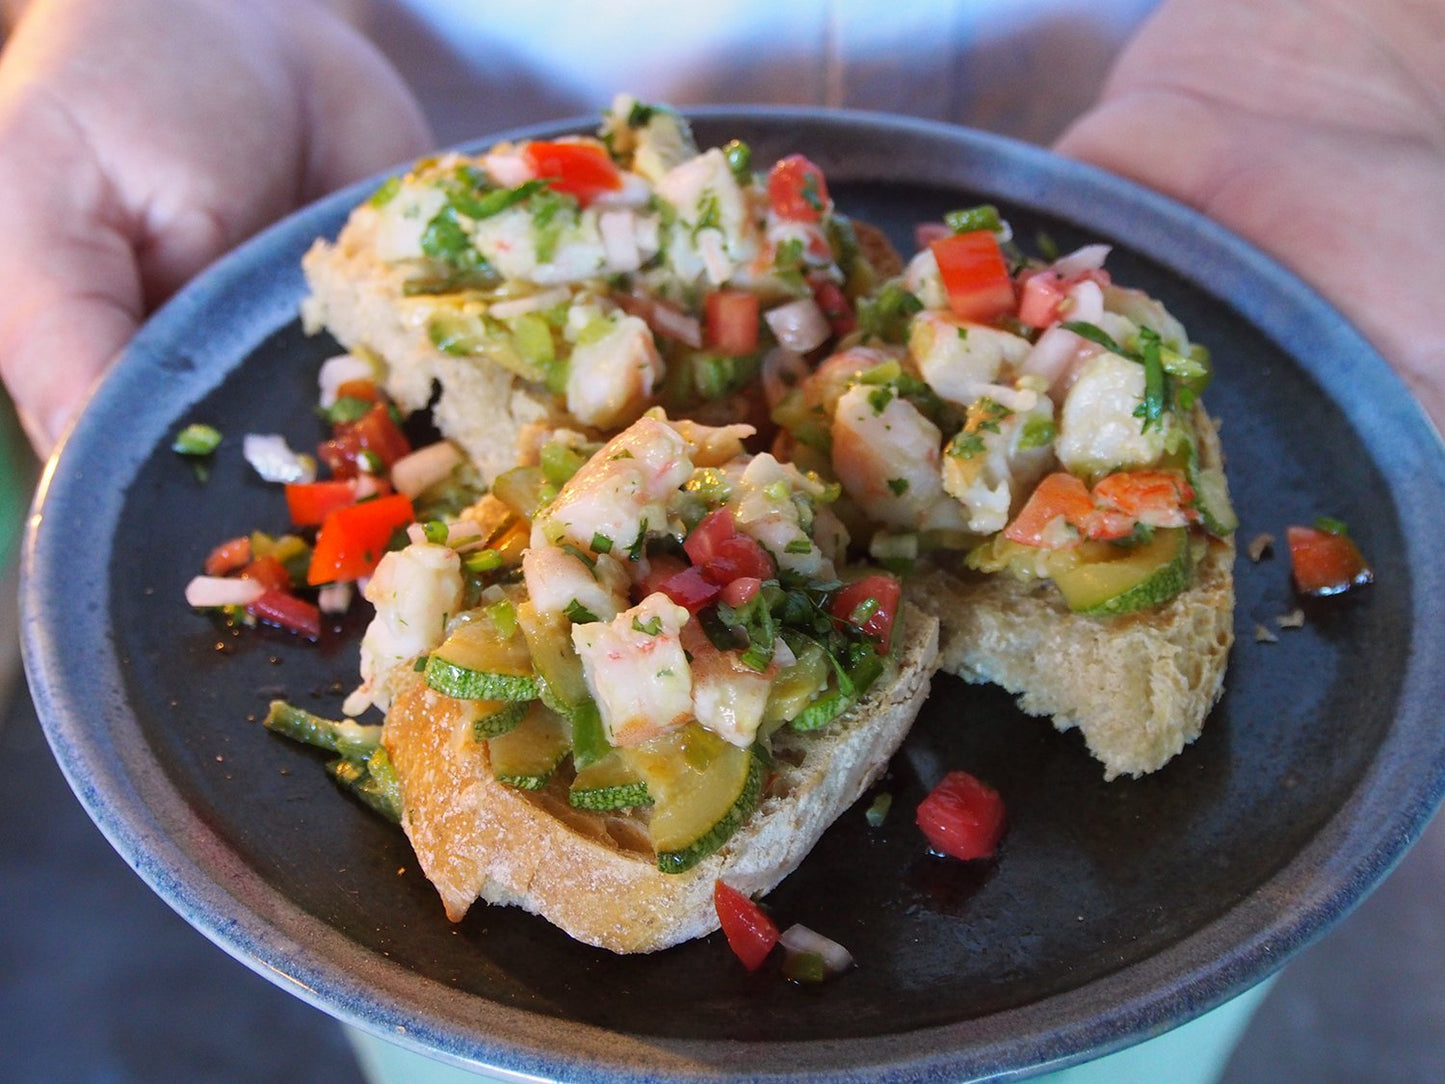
[
  {"x": 197, "y": 439},
  {"x": 579, "y": 614}
]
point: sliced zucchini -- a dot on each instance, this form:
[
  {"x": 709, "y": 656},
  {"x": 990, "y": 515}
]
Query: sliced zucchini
[
  {"x": 476, "y": 662},
  {"x": 704, "y": 790},
  {"x": 610, "y": 783},
  {"x": 1139, "y": 578},
  {"x": 1211, "y": 497},
  {"x": 497, "y": 717},
  {"x": 527, "y": 755}
]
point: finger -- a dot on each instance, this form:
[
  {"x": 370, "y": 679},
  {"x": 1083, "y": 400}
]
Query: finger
[{"x": 70, "y": 295}]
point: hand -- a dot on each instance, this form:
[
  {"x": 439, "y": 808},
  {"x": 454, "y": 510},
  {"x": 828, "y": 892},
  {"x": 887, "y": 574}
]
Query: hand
[
  {"x": 1314, "y": 128},
  {"x": 140, "y": 141}
]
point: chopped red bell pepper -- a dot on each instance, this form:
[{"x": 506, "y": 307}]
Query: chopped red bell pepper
[
  {"x": 311, "y": 502},
  {"x": 975, "y": 276},
  {"x": 353, "y": 539},
  {"x": 750, "y": 932},
  {"x": 797, "y": 191},
  {"x": 869, "y": 604},
  {"x": 581, "y": 169},
  {"x": 1325, "y": 562},
  {"x": 962, "y": 817}
]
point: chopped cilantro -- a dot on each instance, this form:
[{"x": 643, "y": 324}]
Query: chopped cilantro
[
  {"x": 651, "y": 627},
  {"x": 899, "y": 486},
  {"x": 983, "y": 217},
  {"x": 579, "y": 614}
]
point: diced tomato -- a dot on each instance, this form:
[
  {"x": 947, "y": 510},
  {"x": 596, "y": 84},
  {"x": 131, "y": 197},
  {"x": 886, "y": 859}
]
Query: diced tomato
[
  {"x": 731, "y": 321},
  {"x": 1325, "y": 562},
  {"x": 962, "y": 817},
  {"x": 311, "y": 502},
  {"x": 579, "y": 168},
  {"x": 834, "y": 303},
  {"x": 689, "y": 589},
  {"x": 797, "y": 191},
  {"x": 660, "y": 568},
  {"x": 268, "y": 570},
  {"x": 358, "y": 389},
  {"x": 975, "y": 276},
  {"x": 1160, "y": 498},
  {"x": 285, "y": 610},
  {"x": 1059, "y": 496},
  {"x": 229, "y": 557},
  {"x": 741, "y": 591},
  {"x": 376, "y": 433},
  {"x": 353, "y": 539},
  {"x": 723, "y": 553},
  {"x": 750, "y": 932},
  {"x": 870, "y": 604}
]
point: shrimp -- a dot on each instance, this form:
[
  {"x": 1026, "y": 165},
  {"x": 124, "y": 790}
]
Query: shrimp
[
  {"x": 558, "y": 581},
  {"x": 415, "y": 590},
  {"x": 728, "y": 697},
  {"x": 765, "y": 504},
  {"x": 959, "y": 359},
  {"x": 637, "y": 671},
  {"x": 612, "y": 377},
  {"x": 622, "y": 491},
  {"x": 886, "y": 454}
]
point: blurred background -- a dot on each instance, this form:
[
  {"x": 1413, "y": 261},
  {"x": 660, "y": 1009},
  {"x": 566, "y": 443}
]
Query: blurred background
[{"x": 100, "y": 981}]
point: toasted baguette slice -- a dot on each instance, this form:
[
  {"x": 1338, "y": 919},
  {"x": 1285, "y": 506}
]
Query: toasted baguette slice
[
  {"x": 1138, "y": 686},
  {"x": 595, "y": 875},
  {"x": 360, "y": 300}
]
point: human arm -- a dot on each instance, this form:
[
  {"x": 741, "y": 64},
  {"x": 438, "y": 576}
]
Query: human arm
[
  {"x": 1314, "y": 128},
  {"x": 140, "y": 141}
]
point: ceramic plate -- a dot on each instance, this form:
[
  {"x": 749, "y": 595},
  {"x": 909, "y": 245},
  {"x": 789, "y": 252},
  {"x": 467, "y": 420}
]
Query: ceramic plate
[{"x": 1113, "y": 910}]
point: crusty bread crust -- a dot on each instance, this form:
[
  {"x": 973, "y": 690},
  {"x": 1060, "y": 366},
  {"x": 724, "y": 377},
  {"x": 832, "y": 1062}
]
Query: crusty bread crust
[
  {"x": 1137, "y": 686},
  {"x": 594, "y": 875},
  {"x": 361, "y": 301}
]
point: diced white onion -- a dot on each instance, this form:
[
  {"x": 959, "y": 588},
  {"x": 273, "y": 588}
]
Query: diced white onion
[
  {"x": 800, "y": 939},
  {"x": 417, "y": 471},
  {"x": 338, "y": 370},
  {"x": 1088, "y": 258},
  {"x": 799, "y": 325},
  {"x": 334, "y": 598},
  {"x": 619, "y": 240},
  {"x": 675, "y": 324},
  {"x": 274, "y": 460},
  {"x": 783, "y": 370},
  {"x": 207, "y": 591},
  {"x": 1052, "y": 355},
  {"x": 520, "y": 306}
]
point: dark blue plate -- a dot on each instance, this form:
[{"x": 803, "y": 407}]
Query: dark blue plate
[{"x": 1113, "y": 911}]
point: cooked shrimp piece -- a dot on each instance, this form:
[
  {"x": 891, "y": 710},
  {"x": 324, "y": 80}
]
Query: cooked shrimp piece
[
  {"x": 612, "y": 377},
  {"x": 622, "y": 491},
  {"x": 1099, "y": 430},
  {"x": 415, "y": 591},
  {"x": 998, "y": 456},
  {"x": 558, "y": 581},
  {"x": 637, "y": 671},
  {"x": 769, "y": 501},
  {"x": 887, "y": 455},
  {"x": 957, "y": 359},
  {"x": 728, "y": 697}
]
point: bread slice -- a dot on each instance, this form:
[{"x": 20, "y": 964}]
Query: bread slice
[
  {"x": 1137, "y": 686},
  {"x": 360, "y": 299},
  {"x": 594, "y": 875}
]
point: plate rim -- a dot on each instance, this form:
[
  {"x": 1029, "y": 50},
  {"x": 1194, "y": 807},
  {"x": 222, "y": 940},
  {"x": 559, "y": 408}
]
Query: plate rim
[{"x": 276, "y": 939}]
